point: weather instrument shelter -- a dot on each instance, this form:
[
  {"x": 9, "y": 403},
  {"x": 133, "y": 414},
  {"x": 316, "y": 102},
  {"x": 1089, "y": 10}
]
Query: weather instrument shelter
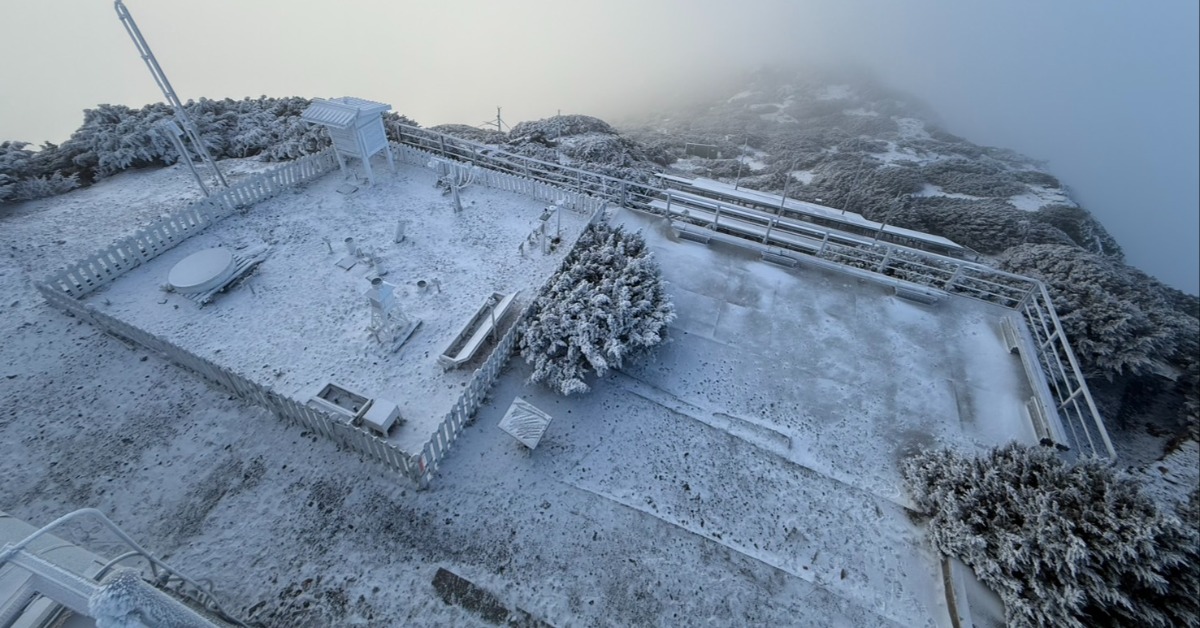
[{"x": 355, "y": 126}]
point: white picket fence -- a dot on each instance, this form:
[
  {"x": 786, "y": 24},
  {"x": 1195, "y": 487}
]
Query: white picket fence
[
  {"x": 580, "y": 203},
  {"x": 109, "y": 263},
  {"x": 65, "y": 288},
  {"x": 289, "y": 409},
  {"x": 438, "y": 445}
]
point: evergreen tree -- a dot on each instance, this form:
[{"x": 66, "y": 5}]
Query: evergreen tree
[
  {"x": 1063, "y": 545},
  {"x": 1118, "y": 319},
  {"x": 606, "y": 306}
]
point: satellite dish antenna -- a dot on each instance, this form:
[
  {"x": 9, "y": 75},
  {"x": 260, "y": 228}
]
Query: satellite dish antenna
[{"x": 188, "y": 129}]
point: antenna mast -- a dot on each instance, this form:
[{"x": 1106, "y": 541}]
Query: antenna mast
[
  {"x": 499, "y": 123},
  {"x": 160, "y": 78}
]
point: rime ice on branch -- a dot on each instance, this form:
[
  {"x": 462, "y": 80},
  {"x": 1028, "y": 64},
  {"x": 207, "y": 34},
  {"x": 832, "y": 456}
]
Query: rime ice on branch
[{"x": 607, "y": 305}]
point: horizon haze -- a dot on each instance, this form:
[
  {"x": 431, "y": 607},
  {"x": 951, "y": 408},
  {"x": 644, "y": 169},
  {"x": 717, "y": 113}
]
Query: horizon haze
[{"x": 1107, "y": 93}]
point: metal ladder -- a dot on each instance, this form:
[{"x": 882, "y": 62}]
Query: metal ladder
[{"x": 160, "y": 78}]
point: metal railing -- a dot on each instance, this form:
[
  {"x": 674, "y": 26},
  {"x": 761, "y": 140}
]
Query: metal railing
[
  {"x": 589, "y": 192},
  {"x": 788, "y": 237},
  {"x": 198, "y": 592}
]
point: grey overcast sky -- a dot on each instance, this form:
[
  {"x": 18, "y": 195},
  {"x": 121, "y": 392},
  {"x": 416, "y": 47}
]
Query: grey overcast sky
[{"x": 1105, "y": 90}]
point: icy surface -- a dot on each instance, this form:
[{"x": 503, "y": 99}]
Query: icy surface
[{"x": 747, "y": 477}]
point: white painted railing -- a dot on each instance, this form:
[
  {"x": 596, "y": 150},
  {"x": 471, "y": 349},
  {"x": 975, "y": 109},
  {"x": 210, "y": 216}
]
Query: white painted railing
[
  {"x": 109, "y": 263},
  {"x": 1073, "y": 400},
  {"x": 64, "y": 290},
  {"x": 578, "y": 190}
]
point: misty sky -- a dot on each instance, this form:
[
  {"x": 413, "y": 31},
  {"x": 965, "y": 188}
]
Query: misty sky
[{"x": 1106, "y": 91}]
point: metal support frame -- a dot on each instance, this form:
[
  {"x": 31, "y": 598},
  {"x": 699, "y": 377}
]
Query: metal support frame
[
  {"x": 160, "y": 78},
  {"x": 70, "y": 586},
  {"x": 967, "y": 278},
  {"x": 173, "y": 133}
]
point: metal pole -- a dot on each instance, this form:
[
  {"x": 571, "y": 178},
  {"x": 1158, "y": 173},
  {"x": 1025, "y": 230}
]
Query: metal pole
[
  {"x": 492, "y": 311},
  {"x": 173, "y": 132},
  {"x": 738, "y": 180},
  {"x": 160, "y": 78},
  {"x": 846, "y": 201},
  {"x": 787, "y": 179}
]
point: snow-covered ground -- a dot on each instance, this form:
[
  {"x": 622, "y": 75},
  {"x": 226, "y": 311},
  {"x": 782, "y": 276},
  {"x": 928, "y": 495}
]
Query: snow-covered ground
[
  {"x": 911, "y": 128},
  {"x": 935, "y": 190},
  {"x": 1040, "y": 196},
  {"x": 300, "y": 321},
  {"x": 904, "y": 153},
  {"x": 747, "y": 476},
  {"x": 803, "y": 176},
  {"x": 754, "y": 158}
]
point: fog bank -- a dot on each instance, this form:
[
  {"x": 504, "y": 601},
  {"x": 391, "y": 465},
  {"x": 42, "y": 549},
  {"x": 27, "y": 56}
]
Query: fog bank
[{"x": 1105, "y": 91}]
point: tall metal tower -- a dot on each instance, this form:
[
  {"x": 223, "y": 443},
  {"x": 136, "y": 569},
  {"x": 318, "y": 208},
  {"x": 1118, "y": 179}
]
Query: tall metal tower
[{"x": 160, "y": 78}]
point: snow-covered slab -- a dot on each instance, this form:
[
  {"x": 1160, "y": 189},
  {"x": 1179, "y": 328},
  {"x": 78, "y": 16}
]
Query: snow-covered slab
[
  {"x": 297, "y": 322},
  {"x": 525, "y": 422},
  {"x": 755, "y": 197},
  {"x": 851, "y": 374}
]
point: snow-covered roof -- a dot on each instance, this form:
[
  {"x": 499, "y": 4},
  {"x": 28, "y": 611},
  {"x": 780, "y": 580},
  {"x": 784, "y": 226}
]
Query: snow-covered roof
[
  {"x": 804, "y": 207},
  {"x": 341, "y": 112}
]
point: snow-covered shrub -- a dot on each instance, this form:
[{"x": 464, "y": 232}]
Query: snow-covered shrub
[
  {"x": 20, "y": 174},
  {"x": 976, "y": 178},
  {"x": 862, "y": 145},
  {"x": 1082, "y": 227},
  {"x": 1117, "y": 318},
  {"x": 471, "y": 133},
  {"x": 41, "y": 187},
  {"x": 723, "y": 169},
  {"x": 660, "y": 148},
  {"x": 1037, "y": 177},
  {"x": 558, "y": 126},
  {"x": 1063, "y": 545},
  {"x": 985, "y": 225},
  {"x": 14, "y": 166},
  {"x": 607, "y": 305}
]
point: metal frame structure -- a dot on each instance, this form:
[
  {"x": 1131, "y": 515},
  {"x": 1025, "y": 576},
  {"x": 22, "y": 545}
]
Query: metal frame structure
[
  {"x": 160, "y": 78},
  {"x": 777, "y": 235},
  {"x": 75, "y": 591}
]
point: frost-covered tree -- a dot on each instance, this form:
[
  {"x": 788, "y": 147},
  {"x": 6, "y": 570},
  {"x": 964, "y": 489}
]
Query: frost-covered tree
[
  {"x": 1117, "y": 318},
  {"x": 607, "y": 305},
  {"x": 973, "y": 176},
  {"x": 14, "y": 165},
  {"x": 114, "y": 138},
  {"x": 1082, "y": 227},
  {"x": 1063, "y": 545},
  {"x": 42, "y": 187}
]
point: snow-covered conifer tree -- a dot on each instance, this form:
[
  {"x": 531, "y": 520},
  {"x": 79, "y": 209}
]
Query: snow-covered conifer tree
[
  {"x": 606, "y": 306},
  {"x": 1063, "y": 545}
]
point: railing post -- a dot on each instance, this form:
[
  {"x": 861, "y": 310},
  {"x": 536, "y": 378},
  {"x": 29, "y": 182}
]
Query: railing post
[{"x": 953, "y": 278}]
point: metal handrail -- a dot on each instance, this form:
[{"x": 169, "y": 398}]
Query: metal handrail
[
  {"x": 209, "y": 602},
  {"x": 965, "y": 278}
]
